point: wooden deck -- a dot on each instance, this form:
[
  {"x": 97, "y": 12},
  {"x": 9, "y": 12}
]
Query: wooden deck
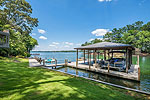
[{"x": 131, "y": 75}]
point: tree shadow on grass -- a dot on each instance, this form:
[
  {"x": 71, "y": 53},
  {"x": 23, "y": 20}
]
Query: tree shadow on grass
[
  {"x": 17, "y": 76},
  {"x": 43, "y": 84},
  {"x": 74, "y": 89}
]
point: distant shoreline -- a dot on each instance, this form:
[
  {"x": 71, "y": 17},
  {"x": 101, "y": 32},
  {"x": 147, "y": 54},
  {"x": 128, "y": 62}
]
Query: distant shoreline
[
  {"x": 55, "y": 51},
  {"x": 141, "y": 54}
]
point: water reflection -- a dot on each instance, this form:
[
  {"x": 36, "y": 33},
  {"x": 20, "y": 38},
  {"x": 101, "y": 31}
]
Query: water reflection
[{"x": 101, "y": 77}]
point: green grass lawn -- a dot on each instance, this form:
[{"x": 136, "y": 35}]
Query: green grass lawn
[{"x": 20, "y": 82}]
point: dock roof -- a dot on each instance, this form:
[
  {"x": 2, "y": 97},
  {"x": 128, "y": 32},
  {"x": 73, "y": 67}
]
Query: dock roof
[{"x": 106, "y": 46}]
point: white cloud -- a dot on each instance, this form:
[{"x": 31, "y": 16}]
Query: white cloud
[
  {"x": 33, "y": 34},
  {"x": 51, "y": 45},
  {"x": 66, "y": 46},
  {"x": 55, "y": 43},
  {"x": 68, "y": 43},
  {"x": 78, "y": 44},
  {"x": 104, "y": 0},
  {"x": 41, "y": 31},
  {"x": 43, "y": 38},
  {"x": 91, "y": 39},
  {"x": 100, "y": 32}
]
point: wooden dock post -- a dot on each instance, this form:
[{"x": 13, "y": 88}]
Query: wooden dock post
[
  {"x": 95, "y": 59},
  {"x": 88, "y": 56},
  {"x": 77, "y": 59},
  {"x": 93, "y": 55},
  {"x": 40, "y": 60},
  {"x": 104, "y": 54},
  {"x": 90, "y": 61},
  {"x": 55, "y": 63},
  {"x": 138, "y": 60},
  {"x": 43, "y": 62},
  {"x": 108, "y": 67},
  {"x": 127, "y": 60},
  {"x": 76, "y": 72},
  {"x": 112, "y": 55},
  {"x": 108, "y": 55},
  {"x": 138, "y": 63},
  {"x": 139, "y": 73},
  {"x": 84, "y": 56},
  {"x": 98, "y": 55},
  {"x": 66, "y": 62}
]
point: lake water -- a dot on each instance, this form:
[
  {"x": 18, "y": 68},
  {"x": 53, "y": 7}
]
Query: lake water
[{"x": 144, "y": 66}]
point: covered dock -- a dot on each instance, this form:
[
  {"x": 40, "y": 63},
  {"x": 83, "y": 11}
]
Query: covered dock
[{"x": 109, "y": 63}]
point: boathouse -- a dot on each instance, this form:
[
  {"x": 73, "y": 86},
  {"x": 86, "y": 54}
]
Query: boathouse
[{"x": 124, "y": 66}]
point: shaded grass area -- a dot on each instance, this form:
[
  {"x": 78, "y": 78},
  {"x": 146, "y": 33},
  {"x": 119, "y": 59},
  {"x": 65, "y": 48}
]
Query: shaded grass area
[{"x": 18, "y": 81}]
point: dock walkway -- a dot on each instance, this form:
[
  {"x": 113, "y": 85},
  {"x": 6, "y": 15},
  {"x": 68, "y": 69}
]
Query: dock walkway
[{"x": 34, "y": 63}]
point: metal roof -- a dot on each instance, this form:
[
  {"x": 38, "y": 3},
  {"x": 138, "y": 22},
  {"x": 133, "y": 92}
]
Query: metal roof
[{"x": 106, "y": 45}]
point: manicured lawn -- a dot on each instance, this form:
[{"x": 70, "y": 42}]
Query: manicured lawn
[{"x": 18, "y": 81}]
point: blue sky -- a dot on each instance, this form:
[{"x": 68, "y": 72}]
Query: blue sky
[{"x": 65, "y": 24}]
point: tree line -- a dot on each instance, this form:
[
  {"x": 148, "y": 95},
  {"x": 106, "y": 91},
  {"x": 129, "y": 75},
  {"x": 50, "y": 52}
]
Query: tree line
[
  {"x": 15, "y": 16},
  {"x": 136, "y": 34}
]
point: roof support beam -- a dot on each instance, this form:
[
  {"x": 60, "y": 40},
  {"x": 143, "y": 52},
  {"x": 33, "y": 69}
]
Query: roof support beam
[
  {"x": 95, "y": 58},
  {"x": 104, "y": 54},
  {"x": 90, "y": 61},
  {"x": 127, "y": 60},
  {"x": 88, "y": 56},
  {"x": 77, "y": 59},
  {"x": 84, "y": 56}
]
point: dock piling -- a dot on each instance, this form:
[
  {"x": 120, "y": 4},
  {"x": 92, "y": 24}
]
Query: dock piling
[
  {"x": 139, "y": 73},
  {"x": 108, "y": 68},
  {"x": 138, "y": 59},
  {"x": 84, "y": 56},
  {"x": 77, "y": 59},
  {"x": 66, "y": 62},
  {"x": 55, "y": 63},
  {"x": 40, "y": 60},
  {"x": 43, "y": 62}
]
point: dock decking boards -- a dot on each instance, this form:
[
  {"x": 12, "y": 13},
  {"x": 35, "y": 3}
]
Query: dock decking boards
[{"x": 131, "y": 75}]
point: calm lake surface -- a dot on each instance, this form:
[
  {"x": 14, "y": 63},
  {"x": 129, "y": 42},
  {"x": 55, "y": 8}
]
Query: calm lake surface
[{"x": 144, "y": 66}]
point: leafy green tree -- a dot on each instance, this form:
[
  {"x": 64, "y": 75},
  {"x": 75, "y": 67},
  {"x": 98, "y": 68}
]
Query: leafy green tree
[
  {"x": 146, "y": 27},
  {"x": 96, "y": 41},
  {"x": 86, "y": 43},
  {"x": 15, "y": 15},
  {"x": 144, "y": 41},
  {"x": 136, "y": 34}
]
